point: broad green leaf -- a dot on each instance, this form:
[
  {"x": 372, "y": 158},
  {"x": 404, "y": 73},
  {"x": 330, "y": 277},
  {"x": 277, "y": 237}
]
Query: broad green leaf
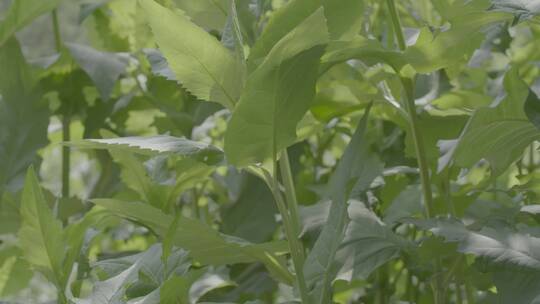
[
  {"x": 431, "y": 53},
  {"x": 354, "y": 173},
  {"x": 277, "y": 95},
  {"x": 125, "y": 272},
  {"x": 343, "y": 19},
  {"x": 9, "y": 214},
  {"x": 501, "y": 246},
  {"x": 518, "y": 286},
  {"x": 209, "y": 14},
  {"x": 532, "y": 109},
  {"x": 15, "y": 273},
  {"x": 41, "y": 236},
  {"x": 252, "y": 215},
  {"x": 367, "y": 50},
  {"x": 154, "y": 145},
  {"x": 201, "y": 64},
  {"x": 23, "y": 118},
  {"x": 498, "y": 134},
  {"x": 204, "y": 244},
  {"x": 103, "y": 68},
  {"x": 21, "y": 13},
  {"x": 369, "y": 242}
]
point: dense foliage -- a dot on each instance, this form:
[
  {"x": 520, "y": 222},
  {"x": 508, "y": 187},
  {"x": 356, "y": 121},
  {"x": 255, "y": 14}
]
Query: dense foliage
[{"x": 269, "y": 151}]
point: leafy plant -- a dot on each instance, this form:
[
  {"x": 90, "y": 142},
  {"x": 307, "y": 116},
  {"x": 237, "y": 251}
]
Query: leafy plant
[{"x": 251, "y": 151}]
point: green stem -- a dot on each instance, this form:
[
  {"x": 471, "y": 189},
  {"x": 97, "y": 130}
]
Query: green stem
[
  {"x": 398, "y": 31},
  {"x": 66, "y": 120},
  {"x": 409, "y": 85},
  {"x": 290, "y": 192},
  {"x": 295, "y": 246}
]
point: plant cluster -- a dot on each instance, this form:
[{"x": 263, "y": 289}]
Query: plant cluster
[{"x": 270, "y": 151}]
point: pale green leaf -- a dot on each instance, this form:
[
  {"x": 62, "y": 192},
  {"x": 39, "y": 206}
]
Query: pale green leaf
[
  {"x": 497, "y": 134},
  {"x": 22, "y": 13},
  {"x": 343, "y": 19},
  {"x": 41, "y": 236},
  {"x": 501, "y": 246},
  {"x": 201, "y": 64},
  {"x": 154, "y": 145},
  {"x": 209, "y": 14},
  {"x": 103, "y": 68},
  {"x": 23, "y": 118},
  {"x": 354, "y": 173},
  {"x": 204, "y": 244},
  {"x": 277, "y": 95},
  {"x": 434, "y": 52}
]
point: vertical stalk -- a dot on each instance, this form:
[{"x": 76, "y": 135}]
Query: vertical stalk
[
  {"x": 290, "y": 192},
  {"x": 66, "y": 119},
  {"x": 297, "y": 253},
  {"x": 408, "y": 85}
]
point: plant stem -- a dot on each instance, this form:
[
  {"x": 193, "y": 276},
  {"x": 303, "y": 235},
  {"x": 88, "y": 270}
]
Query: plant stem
[
  {"x": 409, "y": 85},
  {"x": 290, "y": 192},
  {"x": 66, "y": 120},
  {"x": 297, "y": 253}
]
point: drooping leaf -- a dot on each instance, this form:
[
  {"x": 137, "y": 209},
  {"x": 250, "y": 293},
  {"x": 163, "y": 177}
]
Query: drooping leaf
[
  {"x": 104, "y": 68},
  {"x": 369, "y": 243},
  {"x": 357, "y": 168},
  {"x": 41, "y": 236},
  {"x": 502, "y": 247},
  {"x": 124, "y": 273},
  {"x": 277, "y": 95},
  {"x": 367, "y": 50},
  {"x": 23, "y": 118},
  {"x": 201, "y": 64},
  {"x": 204, "y": 244},
  {"x": 498, "y": 134},
  {"x": 154, "y": 145},
  {"x": 21, "y": 13}
]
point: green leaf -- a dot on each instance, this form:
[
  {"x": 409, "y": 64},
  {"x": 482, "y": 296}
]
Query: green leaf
[
  {"x": 15, "y": 273},
  {"x": 126, "y": 271},
  {"x": 201, "y": 64},
  {"x": 523, "y": 9},
  {"x": 103, "y": 68},
  {"x": 41, "y": 236},
  {"x": 209, "y": 14},
  {"x": 23, "y": 119},
  {"x": 497, "y": 134},
  {"x": 343, "y": 19},
  {"x": 367, "y": 50},
  {"x": 501, "y": 246},
  {"x": 369, "y": 242},
  {"x": 154, "y": 145},
  {"x": 518, "y": 286},
  {"x": 532, "y": 109},
  {"x": 354, "y": 173},
  {"x": 204, "y": 244},
  {"x": 21, "y": 13},
  {"x": 277, "y": 95},
  {"x": 431, "y": 53}
]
